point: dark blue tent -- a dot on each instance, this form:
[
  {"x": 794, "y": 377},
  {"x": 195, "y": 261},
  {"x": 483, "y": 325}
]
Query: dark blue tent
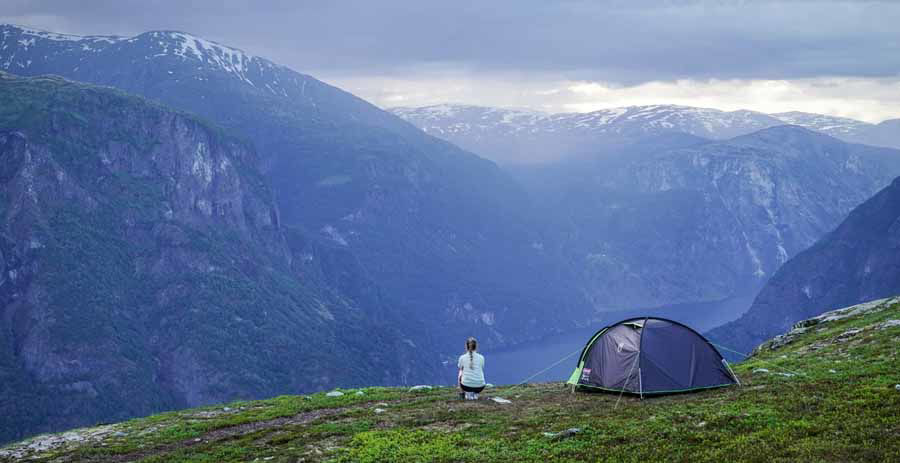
[{"x": 650, "y": 356}]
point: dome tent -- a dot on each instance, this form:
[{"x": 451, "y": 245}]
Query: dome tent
[{"x": 650, "y": 356}]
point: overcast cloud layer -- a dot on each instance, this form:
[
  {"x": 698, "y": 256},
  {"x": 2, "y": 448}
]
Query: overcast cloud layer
[{"x": 841, "y": 58}]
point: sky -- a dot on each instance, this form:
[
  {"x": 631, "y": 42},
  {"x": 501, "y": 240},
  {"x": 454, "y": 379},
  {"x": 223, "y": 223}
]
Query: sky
[{"x": 833, "y": 57}]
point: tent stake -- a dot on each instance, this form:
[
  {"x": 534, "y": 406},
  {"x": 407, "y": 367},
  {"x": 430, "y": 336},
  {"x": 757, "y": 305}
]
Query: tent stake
[{"x": 732, "y": 373}]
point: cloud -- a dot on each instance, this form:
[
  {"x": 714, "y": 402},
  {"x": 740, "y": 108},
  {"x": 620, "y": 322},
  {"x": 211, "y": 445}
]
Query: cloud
[
  {"x": 868, "y": 99},
  {"x": 665, "y": 47},
  {"x": 617, "y": 41}
]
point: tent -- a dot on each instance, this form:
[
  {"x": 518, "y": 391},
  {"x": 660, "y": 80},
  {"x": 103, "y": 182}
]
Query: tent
[{"x": 650, "y": 356}]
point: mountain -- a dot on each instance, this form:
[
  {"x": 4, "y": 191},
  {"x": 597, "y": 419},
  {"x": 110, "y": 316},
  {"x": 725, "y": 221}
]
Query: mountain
[
  {"x": 516, "y": 136},
  {"x": 885, "y": 133},
  {"x": 145, "y": 267},
  {"x": 857, "y": 261},
  {"x": 697, "y": 227},
  {"x": 435, "y": 232},
  {"x": 838, "y": 127},
  {"x": 510, "y": 136},
  {"x": 828, "y": 395}
]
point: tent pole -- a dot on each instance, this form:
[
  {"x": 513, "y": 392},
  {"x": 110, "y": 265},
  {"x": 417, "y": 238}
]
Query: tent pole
[
  {"x": 640, "y": 351},
  {"x": 641, "y": 383},
  {"x": 627, "y": 378}
]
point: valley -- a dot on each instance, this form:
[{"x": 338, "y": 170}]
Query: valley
[{"x": 185, "y": 223}]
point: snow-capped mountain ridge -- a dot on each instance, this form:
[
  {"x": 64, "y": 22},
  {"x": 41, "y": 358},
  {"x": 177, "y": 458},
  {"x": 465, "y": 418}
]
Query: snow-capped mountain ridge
[
  {"x": 530, "y": 136},
  {"x": 151, "y": 45},
  {"x": 56, "y": 36},
  {"x": 520, "y": 135},
  {"x": 519, "y": 119},
  {"x": 831, "y": 125}
]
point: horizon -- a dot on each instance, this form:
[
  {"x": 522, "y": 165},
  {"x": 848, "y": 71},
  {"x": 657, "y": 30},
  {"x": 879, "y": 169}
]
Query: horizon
[{"x": 583, "y": 109}]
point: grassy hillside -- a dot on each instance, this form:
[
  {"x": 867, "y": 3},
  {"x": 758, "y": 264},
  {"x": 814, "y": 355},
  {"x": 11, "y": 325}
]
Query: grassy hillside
[{"x": 825, "y": 392}]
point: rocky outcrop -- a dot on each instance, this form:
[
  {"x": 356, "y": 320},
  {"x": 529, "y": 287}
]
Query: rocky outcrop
[{"x": 803, "y": 326}]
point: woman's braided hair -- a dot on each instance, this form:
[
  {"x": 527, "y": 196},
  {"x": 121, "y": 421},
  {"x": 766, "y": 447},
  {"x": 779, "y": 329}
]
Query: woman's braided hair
[{"x": 471, "y": 345}]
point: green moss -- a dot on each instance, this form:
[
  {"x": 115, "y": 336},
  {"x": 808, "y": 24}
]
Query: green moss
[{"x": 841, "y": 407}]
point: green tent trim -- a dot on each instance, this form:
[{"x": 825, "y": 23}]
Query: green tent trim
[{"x": 673, "y": 391}]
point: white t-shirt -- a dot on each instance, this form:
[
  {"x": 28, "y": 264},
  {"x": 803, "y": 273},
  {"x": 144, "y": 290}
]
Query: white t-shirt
[{"x": 473, "y": 372}]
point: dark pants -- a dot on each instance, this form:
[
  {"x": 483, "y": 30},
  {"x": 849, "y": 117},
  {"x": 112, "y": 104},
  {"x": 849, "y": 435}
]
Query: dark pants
[{"x": 471, "y": 389}]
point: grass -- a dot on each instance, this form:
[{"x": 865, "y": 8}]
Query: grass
[{"x": 840, "y": 406}]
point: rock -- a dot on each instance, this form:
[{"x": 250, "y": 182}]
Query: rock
[
  {"x": 380, "y": 410},
  {"x": 334, "y": 394},
  {"x": 420, "y": 388},
  {"x": 897, "y": 387},
  {"x": 866, "y": 307},
  {"x": 761, "y": 370},
  {"x": 848, "y": 334},
  {"x": 501, "y": 400},
  {"x": 197, "y": 439},
  {"x": 889, "y": 324},
  {"x": 563, "y": 434},
  {"x": 119, "y": 434},
  {"x": 787, "y": 375},
  {"x": 227, "y": 409},
  {"x": 360, "y": 393},
  {"x": 488, "y": 385},
  {"x": 832, "y": 371},
  {"x": 701, "y": 424}
]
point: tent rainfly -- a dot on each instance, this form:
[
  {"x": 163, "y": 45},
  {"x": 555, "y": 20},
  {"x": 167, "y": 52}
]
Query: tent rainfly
[{"x": 650, "y": 356}]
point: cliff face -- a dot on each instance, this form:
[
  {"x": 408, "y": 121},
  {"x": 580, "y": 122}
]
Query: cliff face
[
  {"x": 858, "y": 261},
  {"x": 144, "y": 267},
  {"x": 436, "y": 233},
  {"x": 708, "y": 221}
]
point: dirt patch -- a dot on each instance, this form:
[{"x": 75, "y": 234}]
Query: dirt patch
[
  {"x": 227, "y": 433},
  {"x": 324, "y": 447},
  {"x": 243, "y": 429}
]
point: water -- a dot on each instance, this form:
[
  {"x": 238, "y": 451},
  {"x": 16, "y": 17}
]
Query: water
[{"x": 513, "y": 366}]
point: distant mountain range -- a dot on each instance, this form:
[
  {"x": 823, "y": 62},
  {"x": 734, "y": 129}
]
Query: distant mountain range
[
  {"x": 679, "y": 220},
  {"x": 858, "y": 261},
  {"x": 518, "y": 136}
]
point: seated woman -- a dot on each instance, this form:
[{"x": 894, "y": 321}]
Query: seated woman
[{"x": 471, "y": 371}]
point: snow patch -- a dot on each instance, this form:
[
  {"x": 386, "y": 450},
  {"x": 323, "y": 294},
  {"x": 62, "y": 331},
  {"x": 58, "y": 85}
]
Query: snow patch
[
  {"x": 202, "y": 165},
  {"x": 335, "y": 236}
]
